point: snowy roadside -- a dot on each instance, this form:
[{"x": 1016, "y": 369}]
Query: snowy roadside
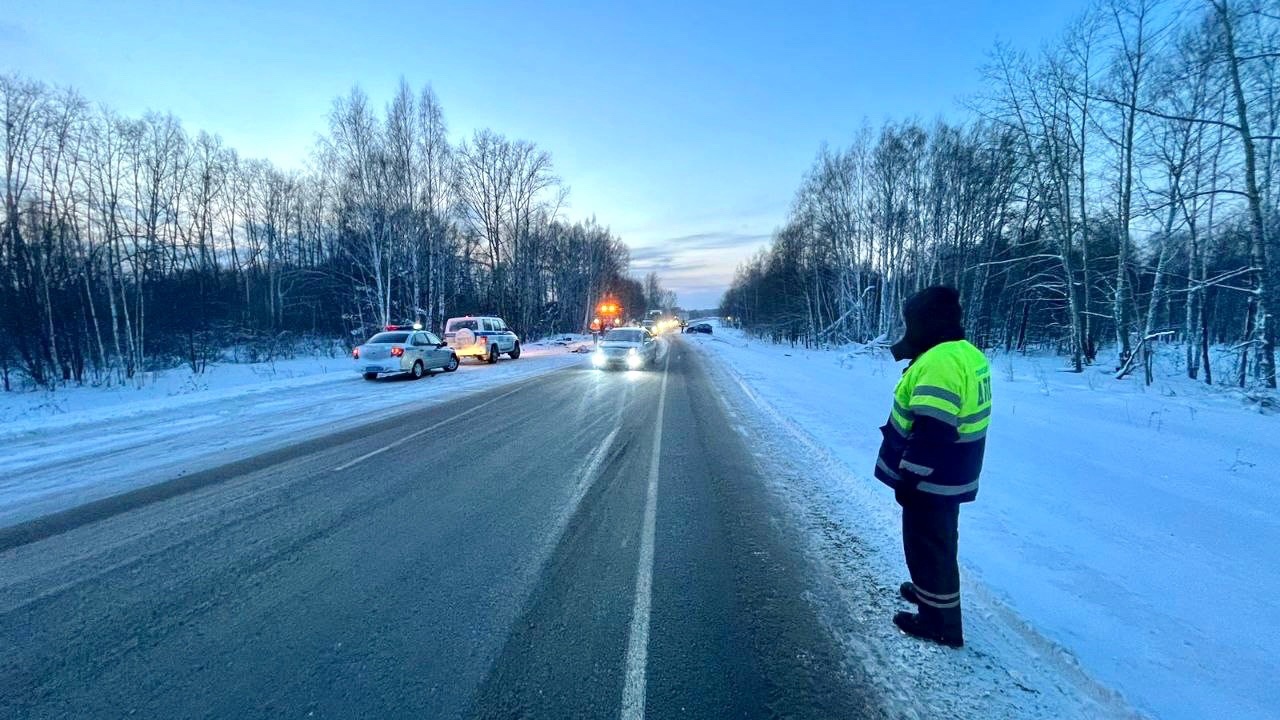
[
  {"x": 1120, "y": 553},
  {"x": 97, "y": 442}
]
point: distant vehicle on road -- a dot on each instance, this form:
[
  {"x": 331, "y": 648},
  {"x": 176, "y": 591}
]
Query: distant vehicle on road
[
  {"x": 704, "y": 328},
  {"x": 481, "y": 337},
  {"x": 406, "y": 350},
  {"x": 630, "y": 347}
]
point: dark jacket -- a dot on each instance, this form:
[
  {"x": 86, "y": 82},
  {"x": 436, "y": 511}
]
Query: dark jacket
[{"x": 933, "y": 445}]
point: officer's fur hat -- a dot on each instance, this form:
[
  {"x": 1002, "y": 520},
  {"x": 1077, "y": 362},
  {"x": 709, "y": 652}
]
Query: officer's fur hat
[{"x": 933, "y": 316}]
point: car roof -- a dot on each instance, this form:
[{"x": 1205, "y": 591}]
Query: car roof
[{"x": 474, "y": 317}]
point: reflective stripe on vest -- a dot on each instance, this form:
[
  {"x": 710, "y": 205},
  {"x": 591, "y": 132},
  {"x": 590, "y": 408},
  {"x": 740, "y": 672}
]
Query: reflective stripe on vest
[
  {"x": 950, "y": 383},
  {"x": 948, "y": 490},
  {"x": 884, "y": 468}
]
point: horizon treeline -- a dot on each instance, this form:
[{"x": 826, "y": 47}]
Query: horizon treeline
[
  {"x": 1116, "y": 189},
  {"x": 130, "y": 244}
]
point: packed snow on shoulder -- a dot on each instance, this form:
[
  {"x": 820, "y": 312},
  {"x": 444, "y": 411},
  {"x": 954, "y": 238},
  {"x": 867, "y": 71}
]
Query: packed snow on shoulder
[
  {"x": 1125, "y": 534},
  {"x": 79, "y": 444},
  {"x": 573, "y": 342}
]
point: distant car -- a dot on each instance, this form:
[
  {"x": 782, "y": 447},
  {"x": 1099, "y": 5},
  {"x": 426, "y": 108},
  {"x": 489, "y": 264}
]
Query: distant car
[
  {"x": 630, "y": 347},
  {"x": 416, "y": 352},
  {"x": 704, "y": 328},
  {"x": 481, "y": 337}
]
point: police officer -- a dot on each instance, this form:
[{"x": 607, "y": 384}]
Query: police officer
[{"x": 931, "y": 455}]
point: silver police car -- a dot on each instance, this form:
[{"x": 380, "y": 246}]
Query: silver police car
[{"x": 403, "y": 349}]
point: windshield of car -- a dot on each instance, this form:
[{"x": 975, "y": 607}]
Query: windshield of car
[
  {"x": 462, "y": 324},
  {"x": 388, "y": 337},
  {"x": 631, "y": 336}
]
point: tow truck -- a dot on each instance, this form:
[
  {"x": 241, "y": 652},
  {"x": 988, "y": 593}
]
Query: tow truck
[{"x": 608, "y": 316}]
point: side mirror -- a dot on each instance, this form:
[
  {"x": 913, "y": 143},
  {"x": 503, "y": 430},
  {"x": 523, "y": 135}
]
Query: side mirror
[{"x": 442, "y": 344}]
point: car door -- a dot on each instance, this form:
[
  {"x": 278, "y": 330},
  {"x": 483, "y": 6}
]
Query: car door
[
  {"x": 492, "y": 325},
  {"x": 420, "y": 348},
  {"x": 507, "y": 339},
  {"x": 439, "y": 355}
]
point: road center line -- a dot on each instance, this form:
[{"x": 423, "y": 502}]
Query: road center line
[
  {"x": 633, "y": 691},
  {"x": 425, "y": 430}
]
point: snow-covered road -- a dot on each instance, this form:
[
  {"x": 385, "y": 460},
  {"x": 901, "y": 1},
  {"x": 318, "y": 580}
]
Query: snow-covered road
[
  {"x": 99, "y": 448},
  {"x": 600, "y": 531}
]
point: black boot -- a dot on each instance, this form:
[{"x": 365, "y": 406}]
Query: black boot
[
  {"x": 913, "y": 625},
  {"x": 908, "y": 592}
]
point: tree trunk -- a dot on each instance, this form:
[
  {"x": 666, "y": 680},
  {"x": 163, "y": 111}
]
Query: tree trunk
[{"x": 1260, "y": 331}]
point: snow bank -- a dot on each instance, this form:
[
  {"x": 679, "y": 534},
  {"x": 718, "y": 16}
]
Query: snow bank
[
  {"x": 573, "y": 342},
  {"x": 77, "y": 445},
  {"x": 1133, "y": 528},
  {"x": 162, "y": 389}
]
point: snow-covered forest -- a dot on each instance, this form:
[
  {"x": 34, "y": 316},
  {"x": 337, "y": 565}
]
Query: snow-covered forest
[
  {"x": 1116, "y": 189},
  {"x": 133, "y": 243}
]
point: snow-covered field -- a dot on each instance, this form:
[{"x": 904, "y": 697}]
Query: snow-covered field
[
  {"x": 1125, "y": 538},
  {"x": 75, "y": 445}
]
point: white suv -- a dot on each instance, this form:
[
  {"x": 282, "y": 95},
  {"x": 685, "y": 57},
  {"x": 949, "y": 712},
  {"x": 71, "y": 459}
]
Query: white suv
[{"x": 481, "y": 337}]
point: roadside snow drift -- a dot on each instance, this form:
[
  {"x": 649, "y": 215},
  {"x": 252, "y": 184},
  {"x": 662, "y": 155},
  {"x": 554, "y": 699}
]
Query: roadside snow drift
[{"x": 1134, "y": 528}]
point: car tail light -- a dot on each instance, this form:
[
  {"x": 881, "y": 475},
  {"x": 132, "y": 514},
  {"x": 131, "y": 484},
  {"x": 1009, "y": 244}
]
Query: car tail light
[
  {"x": 355, "y": 353},
  {"x": 481, "y": 340},
  {"x": 397, "y": 351}
]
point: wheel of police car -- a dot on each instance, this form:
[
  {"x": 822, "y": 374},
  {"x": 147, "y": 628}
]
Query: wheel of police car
[
  {"x": 466, "y": 337},
  {"x": 453, "y": 364},
  {"x": 493, "y": 354},
  {"x": 418, "y": 370},
  {"x": 515, "y": 351}
]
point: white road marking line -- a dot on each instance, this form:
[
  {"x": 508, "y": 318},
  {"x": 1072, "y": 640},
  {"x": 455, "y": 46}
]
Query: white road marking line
[
  {"x": 633, "y": 691},
  {"x": 423, "y": 431}
]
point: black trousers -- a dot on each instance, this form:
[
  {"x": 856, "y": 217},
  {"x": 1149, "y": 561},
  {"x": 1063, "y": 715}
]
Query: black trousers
[{"x": 930, "y": 536}]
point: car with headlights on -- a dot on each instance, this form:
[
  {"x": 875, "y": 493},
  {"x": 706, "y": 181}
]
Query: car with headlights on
[
  {"x": 632, "y": 348},
  {"x": 403, "y": 350}
]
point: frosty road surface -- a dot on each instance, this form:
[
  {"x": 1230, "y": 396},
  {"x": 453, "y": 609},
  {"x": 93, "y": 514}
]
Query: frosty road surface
[
  {"x": 514, "y": 551},
  {"x": 54, "y": 463}
]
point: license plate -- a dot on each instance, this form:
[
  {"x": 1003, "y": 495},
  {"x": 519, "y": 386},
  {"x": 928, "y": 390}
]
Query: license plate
[{"x": 374, "y": 368}]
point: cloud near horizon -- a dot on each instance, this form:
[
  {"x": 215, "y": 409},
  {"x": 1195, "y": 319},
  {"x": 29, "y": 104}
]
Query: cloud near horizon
[{"x": 698, "y": 266}]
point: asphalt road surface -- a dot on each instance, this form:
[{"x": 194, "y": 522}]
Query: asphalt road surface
[{"x": 585, "y": 544}]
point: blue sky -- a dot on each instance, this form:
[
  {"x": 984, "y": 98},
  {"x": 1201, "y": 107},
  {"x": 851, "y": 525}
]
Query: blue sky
[{"x": 684, "y": 126}]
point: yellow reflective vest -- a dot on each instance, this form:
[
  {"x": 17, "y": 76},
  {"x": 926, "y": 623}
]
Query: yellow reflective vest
[{"x": 936, "y": 435}]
